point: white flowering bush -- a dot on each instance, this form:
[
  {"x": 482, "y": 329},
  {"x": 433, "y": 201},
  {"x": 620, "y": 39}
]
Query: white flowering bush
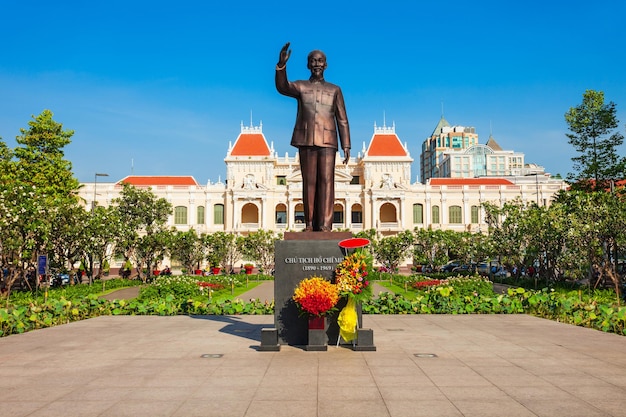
[{"x": 180, "y": 286}]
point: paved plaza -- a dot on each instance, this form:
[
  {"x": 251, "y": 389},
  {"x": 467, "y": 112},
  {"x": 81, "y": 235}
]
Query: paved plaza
[{"x": 424, "y": 365}]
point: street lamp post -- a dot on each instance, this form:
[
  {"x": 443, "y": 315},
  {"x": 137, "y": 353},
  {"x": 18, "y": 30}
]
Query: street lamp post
[
  {"x": 537, "y": 187},
  {"x": 95, "y": 186},
  {"x": 93, "y": 208},
  {"x": 536, "y": 174}
]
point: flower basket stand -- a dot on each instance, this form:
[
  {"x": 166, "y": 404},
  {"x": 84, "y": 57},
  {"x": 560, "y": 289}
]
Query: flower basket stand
[
  {"x": 362, "y": 339},
  {"x": 318, "y": 339}
]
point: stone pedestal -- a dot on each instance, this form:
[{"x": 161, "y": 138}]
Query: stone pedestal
[
  {"x": 364, "y": 340},
  {"x": 301, "y": 255},
  {"x": 269, "y": 341},
  {"x": 318, "y": 339}
]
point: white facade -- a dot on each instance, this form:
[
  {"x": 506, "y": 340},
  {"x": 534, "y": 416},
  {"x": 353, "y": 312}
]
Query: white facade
[{"x": 264, "y": 191}]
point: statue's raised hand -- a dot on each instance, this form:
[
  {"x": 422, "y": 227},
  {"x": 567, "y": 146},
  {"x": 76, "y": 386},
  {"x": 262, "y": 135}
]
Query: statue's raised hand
[{"x": 285, "y": 53}]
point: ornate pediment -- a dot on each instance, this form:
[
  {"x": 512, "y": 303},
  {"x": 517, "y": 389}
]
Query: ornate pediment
[
  {"x": 387, "y": 183},
  {"x": 340, "y": 176},
  {"x": 249, "y": 183}
]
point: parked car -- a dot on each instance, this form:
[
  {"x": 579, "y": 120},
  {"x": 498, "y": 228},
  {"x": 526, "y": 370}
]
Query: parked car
[
  {"x": 450, "y": 266},
  {"x": 422, "y": 268},
  {"x": 483, "y": 268},
  {"x": 465, "y": 268},
  {"x": 58, "y": 279},
  {"x": 502, "y": 272}
]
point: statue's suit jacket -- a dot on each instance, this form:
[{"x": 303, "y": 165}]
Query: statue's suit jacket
[{"x": 321, "y": 112}]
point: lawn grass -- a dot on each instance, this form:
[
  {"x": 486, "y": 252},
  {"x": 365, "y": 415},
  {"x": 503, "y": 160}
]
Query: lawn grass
[
  {"x": 226, "y": 294},
  {"x": 397, "y": 289}
]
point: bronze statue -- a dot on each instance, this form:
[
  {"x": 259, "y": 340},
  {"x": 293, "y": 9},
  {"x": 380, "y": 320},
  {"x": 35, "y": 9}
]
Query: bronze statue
[{"x": 321, "y": 114}]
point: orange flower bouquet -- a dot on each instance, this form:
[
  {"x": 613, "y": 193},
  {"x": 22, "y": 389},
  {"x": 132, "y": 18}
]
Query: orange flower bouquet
[{"x": 316, "y": 296}]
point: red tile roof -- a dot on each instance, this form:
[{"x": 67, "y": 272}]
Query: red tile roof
[
  {"x": 386, "y": 145},
  {"x": 470, "y": 181},
  {"x": 140, "y": 180},
  {"x": 250, "y": 144}
]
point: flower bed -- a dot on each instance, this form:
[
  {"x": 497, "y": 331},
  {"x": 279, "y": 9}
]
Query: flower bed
[
  {"x": 424, "y": 284},
  {"x": 595, "y": 309}
]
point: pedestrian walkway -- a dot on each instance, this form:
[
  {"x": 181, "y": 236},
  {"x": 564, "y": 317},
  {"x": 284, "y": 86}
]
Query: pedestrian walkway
[
  {"x": 123, "y": 294},
  {"x": 424, "y": 365}
]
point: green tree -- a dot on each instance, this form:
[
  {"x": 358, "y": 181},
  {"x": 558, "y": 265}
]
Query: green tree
[
  {"x": 100, "y": 235},
  {"x": 390, "y": 251},
  {"x": 36, "y": 186},
  {"x": 591, "y": 124},
  {"x": 597, "y": 230},
  {"x": 259, "y": 248},
  {"x": 507, "y": 233},
  {"x": 188, "y": 248},
  {"x": 220, "y": 246},
  {"x": 546, "y": 231},
  {"x": 69, "y": 237},
  {"x": 144, "y": 237},
  {"x": 431, "y": 247}
]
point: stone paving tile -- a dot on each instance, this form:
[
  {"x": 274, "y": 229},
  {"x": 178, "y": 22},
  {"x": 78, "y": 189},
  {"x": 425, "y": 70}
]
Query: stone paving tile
[
  {"x": 349, "y": 407},
  {"x": 133, "y": 408},
  {"x": 283, "y": 408},
  {"x": 492, "y": 408},
  {"x": 574, "y": 408},
  {"x": 20, "y": 408},
  {"x": 73, "y": 409},
  {"x": 484, "y": 365},
  {"x": 212, "y": 407}
]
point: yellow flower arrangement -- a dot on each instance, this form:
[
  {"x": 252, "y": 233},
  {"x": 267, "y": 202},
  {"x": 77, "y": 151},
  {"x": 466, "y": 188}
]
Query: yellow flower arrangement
[{"x": 316, "y": 296}]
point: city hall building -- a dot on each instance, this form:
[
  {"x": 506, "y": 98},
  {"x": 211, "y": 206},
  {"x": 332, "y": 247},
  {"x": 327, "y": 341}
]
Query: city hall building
[{"x": 375, "y": 190}]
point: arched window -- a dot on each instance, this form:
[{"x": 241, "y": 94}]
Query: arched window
[
  {"x": 249, "y": 213},
  {"x": 436, "y": 214},
  {"x": 281, "y": 214},
  {"x": 418, "y": 214},
  {"x": 200, "y": 215},
  {"x": 455, "y": 215},
  {"x": 180, "y": 215},
  {"x": 388, "y": 213},
  {"x": 299, "y": 213},
  {"x": 338, "y": 213},
  {"x": 357, "y": 214},
  {"x": 218, "y": 214},
  {"x": 474, "y": 214}
]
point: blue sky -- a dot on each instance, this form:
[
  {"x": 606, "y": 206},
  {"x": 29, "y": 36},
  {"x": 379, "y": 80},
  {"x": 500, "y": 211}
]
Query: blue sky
[{"x": 160, "y": 87}]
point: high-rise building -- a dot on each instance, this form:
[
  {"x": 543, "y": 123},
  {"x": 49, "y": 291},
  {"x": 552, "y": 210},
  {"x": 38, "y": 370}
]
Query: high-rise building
[
  {"x": 454, "y": 152},
  {"x": 444, "y": 138}
]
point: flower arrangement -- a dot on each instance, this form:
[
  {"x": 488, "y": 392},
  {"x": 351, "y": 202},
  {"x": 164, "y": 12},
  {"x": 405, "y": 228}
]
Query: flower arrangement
[
  {"x": 351, "y": 276},
  {"x": 316, "y": 296}
]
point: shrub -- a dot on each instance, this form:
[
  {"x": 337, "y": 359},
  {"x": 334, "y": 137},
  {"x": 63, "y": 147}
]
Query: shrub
[{"x": 178, "y": 286}]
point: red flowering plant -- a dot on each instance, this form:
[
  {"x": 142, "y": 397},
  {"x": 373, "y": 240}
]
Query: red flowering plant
[
  {"x": 210, "y": 285},
  {"x": 316, "y": 296},
  {"x": 351, "y": 276},
  {"x": 427, "y": 283}
]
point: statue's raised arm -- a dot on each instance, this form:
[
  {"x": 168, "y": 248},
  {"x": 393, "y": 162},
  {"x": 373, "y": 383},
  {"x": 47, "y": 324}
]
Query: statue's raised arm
[{"x": 285, "y": 53}]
